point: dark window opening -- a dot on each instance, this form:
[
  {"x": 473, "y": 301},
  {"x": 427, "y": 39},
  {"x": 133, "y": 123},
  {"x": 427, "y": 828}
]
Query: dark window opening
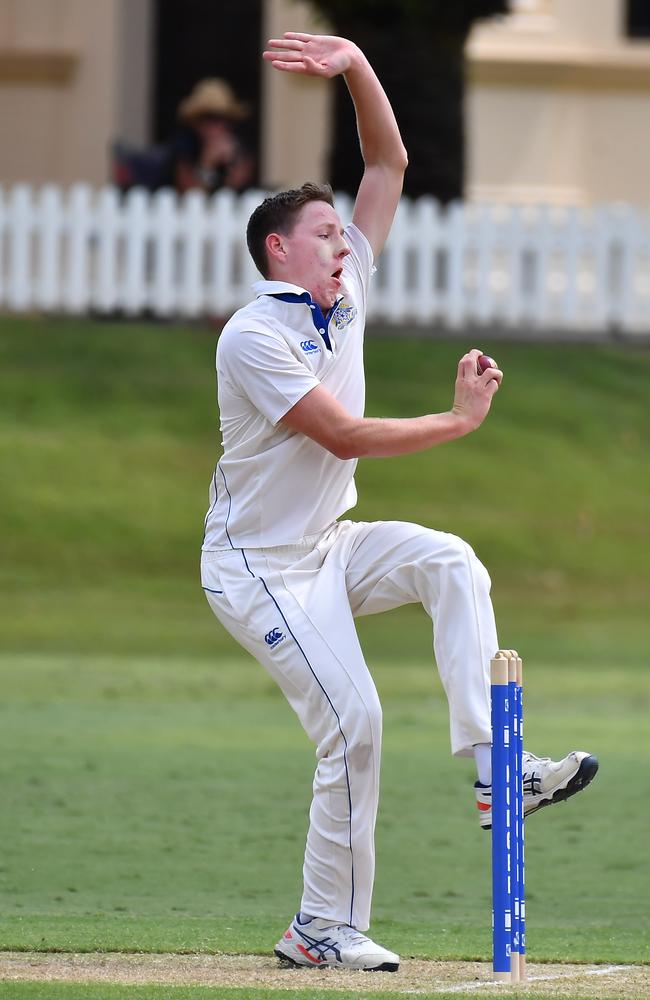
[
  {"x": 637, "y": 19},
  {"x": 196, "y": 39}
]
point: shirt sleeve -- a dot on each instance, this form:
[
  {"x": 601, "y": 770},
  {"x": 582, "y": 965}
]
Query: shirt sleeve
[
  {"x": 262, "y": 368},
  {"x": 358, "y": 266}
]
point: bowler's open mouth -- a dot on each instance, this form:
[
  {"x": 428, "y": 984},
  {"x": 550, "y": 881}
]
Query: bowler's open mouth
[{"x": 337, "y": 274}]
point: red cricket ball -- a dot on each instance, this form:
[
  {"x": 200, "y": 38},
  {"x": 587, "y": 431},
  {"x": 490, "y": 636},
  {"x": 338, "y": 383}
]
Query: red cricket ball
[{"x": 483, "y": 362}]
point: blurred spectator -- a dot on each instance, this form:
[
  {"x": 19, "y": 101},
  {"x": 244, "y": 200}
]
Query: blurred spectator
[{"x": 206, "y": 153}]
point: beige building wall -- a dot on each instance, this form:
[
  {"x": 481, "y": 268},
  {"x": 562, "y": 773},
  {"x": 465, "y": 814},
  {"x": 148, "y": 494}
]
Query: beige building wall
[
  {"x": 74, "y": 74},
  {"x": 557, "y": 105},
  {"x": 297, "y": 110}
]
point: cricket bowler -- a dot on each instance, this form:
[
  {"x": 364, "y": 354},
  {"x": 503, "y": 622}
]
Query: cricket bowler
[{"x": 281, "y": 569}]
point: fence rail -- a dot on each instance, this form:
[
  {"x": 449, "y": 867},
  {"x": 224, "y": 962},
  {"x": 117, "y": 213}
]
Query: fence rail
[{"x": 528, "y": 267}]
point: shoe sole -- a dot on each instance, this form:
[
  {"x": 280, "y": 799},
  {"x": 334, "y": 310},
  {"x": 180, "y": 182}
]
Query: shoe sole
[
  {"x": 584, "y": 776},
  {"x": 291, "y": 962}
]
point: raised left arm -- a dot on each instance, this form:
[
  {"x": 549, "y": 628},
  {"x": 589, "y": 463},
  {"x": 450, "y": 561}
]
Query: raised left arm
[{"x": 382, "y": 149}]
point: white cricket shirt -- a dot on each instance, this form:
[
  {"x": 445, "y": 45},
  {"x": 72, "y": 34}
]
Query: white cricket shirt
[{"x": 273, "y": 486}]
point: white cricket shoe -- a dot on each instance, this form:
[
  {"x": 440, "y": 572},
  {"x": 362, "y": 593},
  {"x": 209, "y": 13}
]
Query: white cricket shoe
[
  {"x": 545, "y": 781},
  {"x": 318, "y": 943}
]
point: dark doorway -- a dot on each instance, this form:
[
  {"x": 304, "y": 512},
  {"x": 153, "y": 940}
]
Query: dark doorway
[
  {"x": 195, "y": 39},
  {"x": 638, "y": 19}
]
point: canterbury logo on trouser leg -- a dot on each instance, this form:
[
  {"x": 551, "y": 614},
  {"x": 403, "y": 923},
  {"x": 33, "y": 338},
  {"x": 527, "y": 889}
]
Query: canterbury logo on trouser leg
[{"x": 273, "y": 637}]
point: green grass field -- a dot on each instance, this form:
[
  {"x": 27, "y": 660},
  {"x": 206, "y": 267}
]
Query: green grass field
[
  {"x": 93, "y": 991},
  {"x": 156, "y": 786}
]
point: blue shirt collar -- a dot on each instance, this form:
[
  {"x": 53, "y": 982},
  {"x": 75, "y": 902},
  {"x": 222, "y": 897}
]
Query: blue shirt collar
[{"x": 287, "y": 292}]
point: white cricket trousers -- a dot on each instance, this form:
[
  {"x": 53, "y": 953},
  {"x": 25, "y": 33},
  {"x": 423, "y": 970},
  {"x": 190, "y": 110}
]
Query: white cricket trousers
[{"x": 293, "y": 608}]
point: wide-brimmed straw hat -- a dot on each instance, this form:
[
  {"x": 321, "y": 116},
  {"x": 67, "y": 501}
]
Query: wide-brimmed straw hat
[{"x": 212, "y": 97}]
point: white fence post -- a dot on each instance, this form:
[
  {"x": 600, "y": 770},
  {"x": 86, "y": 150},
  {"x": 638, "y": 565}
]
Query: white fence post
[
  {"x": 19, "y": 228},
  {"x": 76, "y": 278},
  {"x": 455, "y": 247},
  {"x": 628, "y": 243},
  {"x": 165, "y": 229},
  {"x": 47, "y": 279},
  {"x": 136, "y": 216},
  {"x": 191, "y": 226},
  {"x": 221, "y": 214},
  {"x": 108, "y": 231},
  {"x": 426, "y": 232}
]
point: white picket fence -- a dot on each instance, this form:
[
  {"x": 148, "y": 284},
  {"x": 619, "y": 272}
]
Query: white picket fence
[{"x": 529, "y": 268}]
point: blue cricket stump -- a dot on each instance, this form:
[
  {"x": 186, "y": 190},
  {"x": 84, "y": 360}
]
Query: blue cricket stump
[{"x": 508, "y": 905}]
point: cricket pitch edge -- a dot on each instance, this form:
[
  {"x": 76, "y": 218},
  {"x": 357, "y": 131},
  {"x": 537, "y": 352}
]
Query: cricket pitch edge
[{"x": 415, "y": 976}]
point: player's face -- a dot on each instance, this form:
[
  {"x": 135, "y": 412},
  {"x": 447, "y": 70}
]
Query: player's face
[{"x": 315, "y": 250}]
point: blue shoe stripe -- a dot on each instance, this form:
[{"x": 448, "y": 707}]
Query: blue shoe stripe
[{"x": 320, "y": 946}]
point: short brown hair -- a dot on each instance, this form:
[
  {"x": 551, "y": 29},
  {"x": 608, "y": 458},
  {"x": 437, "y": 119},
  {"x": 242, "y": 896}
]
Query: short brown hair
[{"x": 278, "y": 214}]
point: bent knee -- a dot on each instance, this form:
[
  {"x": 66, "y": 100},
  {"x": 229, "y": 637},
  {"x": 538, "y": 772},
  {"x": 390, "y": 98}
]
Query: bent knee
[
  {"x": 361, "y": 756},
  {"x": 356, "y": 732},
  {"x": 462, "y": 560},
  {"x": 363, "y": 735}
]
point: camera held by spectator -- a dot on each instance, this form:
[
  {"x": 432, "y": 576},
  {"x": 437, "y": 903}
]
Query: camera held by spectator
[{"x": 207, "y": 153}]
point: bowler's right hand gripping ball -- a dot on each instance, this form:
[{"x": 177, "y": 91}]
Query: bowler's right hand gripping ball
[{"x": 484, "y": 362}]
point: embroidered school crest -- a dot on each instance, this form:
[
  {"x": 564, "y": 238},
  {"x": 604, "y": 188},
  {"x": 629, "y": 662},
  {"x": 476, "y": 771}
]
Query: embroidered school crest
[{"x": 344, "y": 313}]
